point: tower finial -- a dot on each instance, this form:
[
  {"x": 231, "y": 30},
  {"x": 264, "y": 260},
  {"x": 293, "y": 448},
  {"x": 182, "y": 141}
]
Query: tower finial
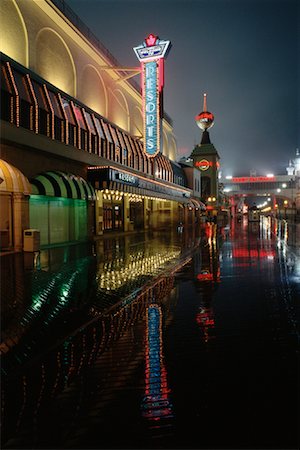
[
  {"x": 205, "y": 119},
  {"x": 204, "y": 103}
]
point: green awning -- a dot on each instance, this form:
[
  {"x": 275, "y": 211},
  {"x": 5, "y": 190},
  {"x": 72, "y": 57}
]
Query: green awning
[{"x": 60, "y": 184}]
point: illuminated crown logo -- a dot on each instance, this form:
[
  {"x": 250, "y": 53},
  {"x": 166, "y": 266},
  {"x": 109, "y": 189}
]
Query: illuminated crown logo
[{"x": 151, "y": 40}]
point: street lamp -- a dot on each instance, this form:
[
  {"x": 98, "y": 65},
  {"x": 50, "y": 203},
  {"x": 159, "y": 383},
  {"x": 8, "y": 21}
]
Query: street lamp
[{"x": 285, "y": 204}]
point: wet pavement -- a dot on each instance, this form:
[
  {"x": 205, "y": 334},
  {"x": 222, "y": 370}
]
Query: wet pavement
[{"x": 154, "y": 341}]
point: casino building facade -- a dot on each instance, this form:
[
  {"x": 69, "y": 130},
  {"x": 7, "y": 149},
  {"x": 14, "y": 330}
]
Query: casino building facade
[{"x": 72, "y": 162}]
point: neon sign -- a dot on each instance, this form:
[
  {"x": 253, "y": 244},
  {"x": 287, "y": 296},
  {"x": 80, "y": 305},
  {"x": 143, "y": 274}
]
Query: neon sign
[
  {"x": 152, "y": 48},
  {"x": 151, "y": 109},
  {"x": 203, "y": 164},
  {"x": 251, "y": 179},
  {"x": 151, "y": 56},
  {"x": 126, "y": 177}
]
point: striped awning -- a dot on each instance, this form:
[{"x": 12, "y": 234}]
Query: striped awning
[
  {"x": 198, "y": 204},
  {"x": 195, "y": 204},
  {"x": 60, "y": 184},
  {"x": 12, "y": 179}
]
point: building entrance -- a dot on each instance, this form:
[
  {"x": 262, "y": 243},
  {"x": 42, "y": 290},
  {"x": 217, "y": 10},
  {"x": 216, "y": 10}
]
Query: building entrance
[
  {"x": 112, "y": 217},
  {"x": 136, "y": 212}
]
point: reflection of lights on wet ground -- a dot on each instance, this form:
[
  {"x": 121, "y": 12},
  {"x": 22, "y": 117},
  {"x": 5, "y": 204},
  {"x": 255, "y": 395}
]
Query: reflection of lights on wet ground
[
  {"x": 57, "y": 293},
  {"x": 115, "y": 274},
  {"x": 156, "y": 404},
  {"x": 206, "y": 321}
]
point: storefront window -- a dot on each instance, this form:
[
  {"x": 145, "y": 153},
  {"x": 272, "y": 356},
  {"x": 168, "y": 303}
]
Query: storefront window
[
  {"x": 93, "y": 134},
  {"x": 82, "y": 127},
  {"x": 6, "y": 97},
  {"x": 102, "y": 138},
  {"x": 117, "y": 154},
  {"x": 110, "y": 143},
  {"x": 112, "y": 215},
  {"x": 72, "y": 128},
  {"x": 26, "y": 103},
  {"x": 58, "y": 219},
  {"x": 59, "y": 121},
  {"x": 44, "y": 113}
]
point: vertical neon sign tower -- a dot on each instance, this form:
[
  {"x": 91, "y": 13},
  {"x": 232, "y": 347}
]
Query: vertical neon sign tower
[{"x": 151, "y": 55}]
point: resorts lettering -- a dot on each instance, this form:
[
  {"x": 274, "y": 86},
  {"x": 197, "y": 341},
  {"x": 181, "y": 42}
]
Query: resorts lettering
[
  {"x": 126, "y": 177},
  {"x": 151, "y": 119}
]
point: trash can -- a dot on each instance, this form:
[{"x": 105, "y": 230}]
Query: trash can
[{"x": 31, "y": 241}]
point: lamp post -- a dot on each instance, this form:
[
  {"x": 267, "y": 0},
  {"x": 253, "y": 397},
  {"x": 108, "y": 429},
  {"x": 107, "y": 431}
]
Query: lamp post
[
  {"x": 211, "y": 206},
  {"x": 285, "y": 205}
]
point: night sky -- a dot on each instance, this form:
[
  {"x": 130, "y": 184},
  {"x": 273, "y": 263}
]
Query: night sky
[{"x": 243, "y": 53}]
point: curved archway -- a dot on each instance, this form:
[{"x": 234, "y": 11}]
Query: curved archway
[
  {"x": 92, "y": 91},
  {"x": 137, "y": 122},
  {"x": 14, "y": 37},
  {"x": 165, "y": 144},
  {"x": 118, "y": 110},
  {"x": 14, "y": 193},
  {"x": 54, "y": 61},
  {"x": 172, "y": 149}
]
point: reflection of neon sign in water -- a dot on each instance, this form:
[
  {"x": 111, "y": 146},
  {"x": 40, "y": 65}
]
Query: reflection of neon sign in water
[
  {"x": 151, "y": 108},
  {"x": 210, "y": 268},
  {"x": 205, "y": 318},
  {"x": 156, "y": 404}
]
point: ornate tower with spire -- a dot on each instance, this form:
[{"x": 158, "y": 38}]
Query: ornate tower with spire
[{"x": 206, "y": 159}]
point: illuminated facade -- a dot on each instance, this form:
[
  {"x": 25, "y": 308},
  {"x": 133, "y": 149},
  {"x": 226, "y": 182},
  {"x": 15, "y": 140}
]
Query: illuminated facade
[{"x": 72, "y": 124}]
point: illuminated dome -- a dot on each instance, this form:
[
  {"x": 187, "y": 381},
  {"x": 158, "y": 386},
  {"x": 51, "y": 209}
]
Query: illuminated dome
[{"x": 205, "y": 119}]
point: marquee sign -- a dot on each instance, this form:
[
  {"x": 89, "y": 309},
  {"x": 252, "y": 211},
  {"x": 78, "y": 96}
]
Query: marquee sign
[
  {"x": 252, "y": 179},
  {"x": 151, "y": 55},
  {"x": 126, "y": 177}
]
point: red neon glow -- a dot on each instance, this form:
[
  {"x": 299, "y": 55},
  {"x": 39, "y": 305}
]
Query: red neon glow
[
  {"x": 161, "y": 72},
  {"x": 151, "y": 40},
  {"x": 205, "y": 115},
  {"x": 205, "y": 318},
  {"x": 205, "y": 276},
  {"x": 252, "y": 179},
  {"x": 204, "y": 163},
  {"x": 252, "y": 253}
]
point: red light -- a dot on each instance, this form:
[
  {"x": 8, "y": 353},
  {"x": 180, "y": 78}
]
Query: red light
[
  {"x": 205, "y": 277},
  {"x": 161, "y": 74},
  {"x": 150, "y": 40},
  {"x": 204, "y": 163},
  {"x": 252, "y": 253},
  {"x": 252, "y": 179},
  {"x": 205, "y": 115}
]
